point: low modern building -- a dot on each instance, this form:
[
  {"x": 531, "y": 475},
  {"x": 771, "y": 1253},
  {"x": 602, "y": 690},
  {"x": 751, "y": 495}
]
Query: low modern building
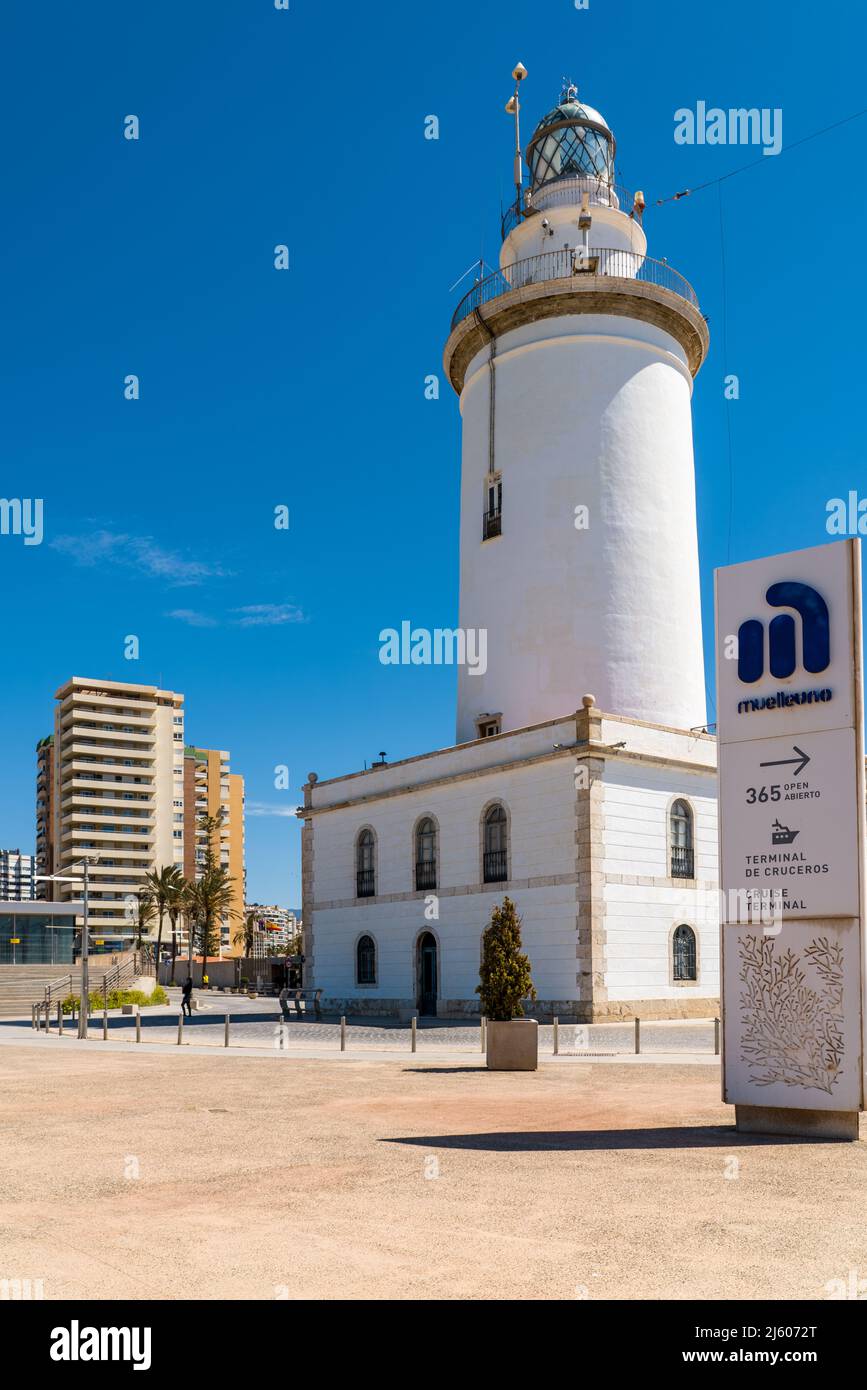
[
  {"x": 17, "y": 875},
  {"x": 39, "y": 933}
]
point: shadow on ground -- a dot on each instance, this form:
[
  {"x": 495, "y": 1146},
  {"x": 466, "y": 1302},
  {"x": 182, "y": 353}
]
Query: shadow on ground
[{"x": 666, "y": 1137}]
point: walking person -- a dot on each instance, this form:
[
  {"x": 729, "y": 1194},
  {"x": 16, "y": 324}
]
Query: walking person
[{"x": 186, "y": 996}]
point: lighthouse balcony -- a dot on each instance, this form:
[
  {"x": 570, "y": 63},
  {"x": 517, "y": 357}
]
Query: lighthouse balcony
[
  {"x": 569, "y": 192},
  {"x": 576, "y": 280},
  {"x": 574, "y": 264}
]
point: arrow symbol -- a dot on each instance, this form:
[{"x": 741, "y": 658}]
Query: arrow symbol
[{"x": 802, "y": 760}]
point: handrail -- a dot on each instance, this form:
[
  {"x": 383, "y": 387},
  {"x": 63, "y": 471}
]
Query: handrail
[
  {"x": 604, "y": 261},
  {"x": 570, "y": 189}
]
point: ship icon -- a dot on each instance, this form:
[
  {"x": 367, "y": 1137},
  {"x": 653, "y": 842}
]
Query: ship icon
[{"x": 782, "y": 835}]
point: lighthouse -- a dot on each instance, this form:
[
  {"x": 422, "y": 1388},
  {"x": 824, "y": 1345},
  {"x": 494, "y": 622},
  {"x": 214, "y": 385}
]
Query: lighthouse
[
  {"x": 574, "y": 363},
  {"x": 582, "y": 784}
]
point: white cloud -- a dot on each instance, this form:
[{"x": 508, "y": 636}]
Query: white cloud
[
  {"x": 192, "y": 617},
  {"x": 261, "y": 808},
  {"x": 141, "y": 553},
  {"x": 268, "y": 615}
]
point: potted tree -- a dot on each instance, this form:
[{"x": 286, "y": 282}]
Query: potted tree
[{"x": 505, "y": 980}]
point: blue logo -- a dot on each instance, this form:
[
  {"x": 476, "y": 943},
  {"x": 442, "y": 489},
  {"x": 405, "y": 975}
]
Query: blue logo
[{"x": 815, "y": 633}]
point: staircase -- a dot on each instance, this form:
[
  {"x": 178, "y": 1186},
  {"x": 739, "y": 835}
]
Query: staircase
[{"x": 24, "y": 985}]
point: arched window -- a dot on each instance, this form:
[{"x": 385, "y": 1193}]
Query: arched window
[
  {"x": 495, "y": 866},
  {"x": 364, "y": 865},
  {"x": 683, "y": 950},
  {"x": 365, "y": 961},
  {"x": 425, "y": 854},
  {"x": 680, "y": 840}
]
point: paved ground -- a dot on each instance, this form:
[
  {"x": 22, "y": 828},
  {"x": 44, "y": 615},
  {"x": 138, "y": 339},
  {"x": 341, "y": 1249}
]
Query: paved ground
[{"x": 129, "y": 1172}]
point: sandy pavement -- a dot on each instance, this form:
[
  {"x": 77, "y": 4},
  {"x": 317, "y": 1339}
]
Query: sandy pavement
[{"x": 126, "y": 1175}]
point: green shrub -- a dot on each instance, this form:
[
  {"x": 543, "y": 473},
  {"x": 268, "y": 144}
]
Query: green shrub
[
  {"x": 504, "y": 976},
  {"x": 115, "y": 999}
]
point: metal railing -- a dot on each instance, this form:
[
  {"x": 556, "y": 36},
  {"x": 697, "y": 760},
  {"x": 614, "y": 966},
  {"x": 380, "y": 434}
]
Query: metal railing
[
  {"x": 492, "y": 525},
  {"x": 495, "y": 866},
  {"x": 571, "y": 264},
  {"x": 425, "y": 874},
  {"x": 682, "y": 862},
  {"x": 364, "y": 883},
  {"x": 570, "y": 191}
]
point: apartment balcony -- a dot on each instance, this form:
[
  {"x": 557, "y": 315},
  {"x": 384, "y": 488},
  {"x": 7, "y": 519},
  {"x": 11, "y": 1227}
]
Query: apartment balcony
[
  {"x": 109, "y": 751},
  {"x": 100, "y": 785},
  {"x": 87, "y": 732}
]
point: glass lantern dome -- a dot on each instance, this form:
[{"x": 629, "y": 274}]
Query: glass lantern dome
[{"x": 572, "y": 141}]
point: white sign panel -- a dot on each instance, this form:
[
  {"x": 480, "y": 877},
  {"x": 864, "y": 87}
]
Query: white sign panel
[
  {"x": 789, "y": 828},
  {"x": 791, "y": 763},
  {"x": 784, "y": 666}
]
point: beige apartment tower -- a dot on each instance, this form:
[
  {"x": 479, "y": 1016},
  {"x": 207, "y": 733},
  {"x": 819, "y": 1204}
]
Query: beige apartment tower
[
  {"x": 210, "y": 787},
  {"x": 118, "y": 792}
]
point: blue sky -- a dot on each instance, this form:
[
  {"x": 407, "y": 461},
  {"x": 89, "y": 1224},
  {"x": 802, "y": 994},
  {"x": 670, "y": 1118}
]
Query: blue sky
[{"x": 306, "y": 387}]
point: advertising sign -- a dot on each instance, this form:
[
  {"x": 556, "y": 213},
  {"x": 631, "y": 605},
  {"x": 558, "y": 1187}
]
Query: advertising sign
[{"x": 792, "y": 828}]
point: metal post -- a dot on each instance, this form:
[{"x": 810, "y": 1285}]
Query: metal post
[
  {"x": 342, "y": 1033},
  {"x": 85, "y": 956},
  {"x": 556, "y": 1036},
  {"x": 412, "y": 1031},
  {"x": 638, "y": 1035},
  {"x": 716, "y": 1037},
  {"x": 59, "y": 1019},
  {"x": 32, "y": 1015},
  {"x": 105, "y": 1025},
  {"x": 180, "y": 1027},
  {"x": 226, "y": 1033},
  {"x": 484, "y": 1032},
  {"x": 138, "y": 1023}
]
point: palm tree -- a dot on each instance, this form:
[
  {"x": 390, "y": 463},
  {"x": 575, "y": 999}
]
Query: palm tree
[
  {"x": 145, "y": 913},
  {"x": 162, "y": 885},
  {"x": 210, "y": 898},
  {"x": 246, "y": 933},
  {"x": 175, "y": 908}
]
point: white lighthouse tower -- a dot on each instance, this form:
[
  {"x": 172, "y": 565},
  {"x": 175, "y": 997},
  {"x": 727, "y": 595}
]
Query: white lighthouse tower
[{"x": 574, "y": 366}]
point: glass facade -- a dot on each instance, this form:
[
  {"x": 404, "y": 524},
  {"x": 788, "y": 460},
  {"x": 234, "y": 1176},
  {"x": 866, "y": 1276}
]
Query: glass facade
[{"x": 41, "y": 938}]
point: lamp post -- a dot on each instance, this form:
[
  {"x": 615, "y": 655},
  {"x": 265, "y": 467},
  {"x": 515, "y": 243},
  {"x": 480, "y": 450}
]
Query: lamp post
[
  {"x": 513, "y": 108},
  {"x": 84, "y": 864}
]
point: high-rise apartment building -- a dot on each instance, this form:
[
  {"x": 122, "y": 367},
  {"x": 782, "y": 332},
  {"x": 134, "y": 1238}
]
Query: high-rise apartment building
[
  {"x": 118, "y": 791},
  {"x": 17, "y": 872},
  {"x": 209, "y": 787},
  {"x": 45, "y": 814}
]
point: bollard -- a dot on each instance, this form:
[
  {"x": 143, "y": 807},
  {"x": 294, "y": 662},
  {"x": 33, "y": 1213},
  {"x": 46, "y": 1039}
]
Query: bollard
[
  {"x": 180, "y": 1027},
  {"x": 138, "y": 1022},
  {"x": 226, "y": 1033},
  {"x": 556, "y": 1037},
  {"x": 32, "y": 1015},
  {"x": 59, "y": 1019},
  {"x": 638, "y": 1035},
  {"x": 484, "y": 1032},
  {"x": 716, "y": 1037},
  {"x": 412, "y": 1032},
  {"x": 342, "y": 1034},
  {"x": 105, "y": 1025}
]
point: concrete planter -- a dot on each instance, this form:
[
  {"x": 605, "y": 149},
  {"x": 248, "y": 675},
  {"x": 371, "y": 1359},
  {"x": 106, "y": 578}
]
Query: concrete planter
[{"x": 513, "y": 1046}]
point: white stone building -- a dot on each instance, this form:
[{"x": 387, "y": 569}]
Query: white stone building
[{"x": 596, "y": 813}]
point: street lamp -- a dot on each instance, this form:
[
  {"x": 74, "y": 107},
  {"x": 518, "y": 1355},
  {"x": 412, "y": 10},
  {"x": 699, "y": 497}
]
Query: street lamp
[
  {"x": 84, "y": 863},
  {"x": 513, "y": 108}
]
